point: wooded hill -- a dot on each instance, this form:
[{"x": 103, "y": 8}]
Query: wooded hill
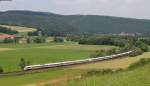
[{"x": 55, "y": 24}]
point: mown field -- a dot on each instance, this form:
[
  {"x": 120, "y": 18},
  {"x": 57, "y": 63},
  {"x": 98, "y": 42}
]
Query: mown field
[
  {"x": 10, "y": 54},
  {"x": 20, "y": 29}
]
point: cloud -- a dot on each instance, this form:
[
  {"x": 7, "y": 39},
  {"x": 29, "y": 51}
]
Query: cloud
[{"x": 125, "y": 8}]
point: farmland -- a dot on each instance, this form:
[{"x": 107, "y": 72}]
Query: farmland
[
  {"x": 43, "y": 53},
  {"x": 19, "y": 28},
  {"x": 59, "y": 74}
]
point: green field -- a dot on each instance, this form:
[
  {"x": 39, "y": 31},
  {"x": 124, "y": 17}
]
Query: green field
[
  {"x": 10, "y": 54},
  {"x": 63, "y": 73}
]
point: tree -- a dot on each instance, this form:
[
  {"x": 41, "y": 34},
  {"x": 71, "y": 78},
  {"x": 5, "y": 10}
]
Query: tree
[
  {"x": 1, "y": 70},
  {"x": 58, "y": 39},
  {"x": 8, "y": 40},
  {"x": 22, "y": 63},
  {"x": 39, "y": 40},
  {"x": 144, "y": 47}
]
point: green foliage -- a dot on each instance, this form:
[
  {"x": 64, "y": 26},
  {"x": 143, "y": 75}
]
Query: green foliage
[
  {"x": 7, "y": 31},
  {"x": 49, "y": 24},
  {"x": 39, "y": 40},
  {"x": 58, "y": 39},
  {"x": 101, "y": 53},
  {"x": 97, "y": 72},
  {"x": 96, "y": 41},
  {"x": 23, "y": 63},
  {"x": 136, "y": 51},
  {"x": 1, "y": 70},
  {"x": 140, "y": 63},
  {"x": 145, "y": 40},
  {"x": 144, "y": 47},
  {"x": 8, "y": 40},
  {"x": 53, "y": 24}
]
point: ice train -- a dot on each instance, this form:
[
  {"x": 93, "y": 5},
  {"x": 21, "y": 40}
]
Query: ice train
[{"x": 67, "y": 63}]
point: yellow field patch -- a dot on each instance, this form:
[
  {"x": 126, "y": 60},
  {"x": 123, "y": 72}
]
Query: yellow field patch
[
  {"x": 80, "y": 47},
  {"x": 19, "y": 28},
  {"x": 6, "y": 49},
  {"x": 112, "y": 64}
]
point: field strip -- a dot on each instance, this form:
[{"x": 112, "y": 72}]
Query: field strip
[
  {"x": 7, "y": 49},
  {"x": 19, "y": 28},
  {"x": 79, "y": 47}
]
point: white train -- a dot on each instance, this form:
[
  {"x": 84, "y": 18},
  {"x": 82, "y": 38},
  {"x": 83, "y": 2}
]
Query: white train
[{"x": 67, "y": 63}]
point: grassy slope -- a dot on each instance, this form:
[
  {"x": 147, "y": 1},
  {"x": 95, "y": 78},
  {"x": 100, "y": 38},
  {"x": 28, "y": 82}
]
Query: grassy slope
[
  {"x": 113, "y": 64},
  {"x": 43, "y": 53},
  {"x": 137, "y": 77}
]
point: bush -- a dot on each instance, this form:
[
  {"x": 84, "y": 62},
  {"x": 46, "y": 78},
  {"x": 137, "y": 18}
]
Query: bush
[
  {"x": 140, "y": 63},
  {"x": 23, "y": 63},
  {"x": 39, "y": 40},
  {"x": 136, "y": 51},
  {"x": 98, "y": 72},
  {"x": 7, "y": 30},
  {"x": 8, "y": 40},
  {"x": 1, "y": 70},
  {"x": 101, "y": 53},
  {"x": 144, "y": 47},
  {"x": 58, "y": 39},
  {"x": 146, "y": 40}
]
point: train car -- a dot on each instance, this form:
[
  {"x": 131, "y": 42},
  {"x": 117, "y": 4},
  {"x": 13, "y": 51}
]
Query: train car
[{"x": 67, "y": 63}]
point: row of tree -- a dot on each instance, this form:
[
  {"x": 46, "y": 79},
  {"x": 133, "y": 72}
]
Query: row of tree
[
  {"x": 7, "y": 31},
  {"x": 125, "y": 43}
]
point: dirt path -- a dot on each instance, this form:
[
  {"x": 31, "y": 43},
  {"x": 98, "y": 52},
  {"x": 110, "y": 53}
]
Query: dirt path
[{"x": 6, "y": 49}]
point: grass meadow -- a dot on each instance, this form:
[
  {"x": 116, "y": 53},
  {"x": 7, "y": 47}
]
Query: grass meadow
[
  {"x": 10, "y": 54},
  {"x": 137, "y": 77}
]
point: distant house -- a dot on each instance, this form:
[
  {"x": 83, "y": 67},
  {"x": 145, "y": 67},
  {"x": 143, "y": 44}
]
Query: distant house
[
  {"x": 127, "y": 34},
  {"x": 7, "y": 36}
]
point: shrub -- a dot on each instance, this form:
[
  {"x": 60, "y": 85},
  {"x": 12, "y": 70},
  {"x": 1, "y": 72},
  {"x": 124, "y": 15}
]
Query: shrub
[
  {"x": 1, "y": 70},
  {"x": 98, "y": 72},
  {"x": 58, "y": 39},
  {"x": 39, "y": 40},
  {"x": 23, "y": 63},
  {"x": 136, "y": 51},
  {"x": 8, "y": 40},
  {"x": 140, "y": 63},
  {"x": 144, "y": 47}
]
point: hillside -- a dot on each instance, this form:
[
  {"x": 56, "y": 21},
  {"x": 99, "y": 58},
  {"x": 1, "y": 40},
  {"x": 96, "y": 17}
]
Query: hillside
[
  {"x": 47, "y": 23},
  {"x": 54, "y": 24},
  {"x": 137, "y": 77}
]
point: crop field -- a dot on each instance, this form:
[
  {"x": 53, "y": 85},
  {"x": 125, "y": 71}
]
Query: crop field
[
  {"x": 10, "y": 54},
  {"x": 19, "y": 28}
]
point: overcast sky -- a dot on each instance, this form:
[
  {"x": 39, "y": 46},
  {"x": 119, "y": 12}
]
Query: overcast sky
[{"x": 123, "y": 8}]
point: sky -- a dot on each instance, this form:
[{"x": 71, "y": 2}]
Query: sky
[{"x": 121, "y": 8}]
